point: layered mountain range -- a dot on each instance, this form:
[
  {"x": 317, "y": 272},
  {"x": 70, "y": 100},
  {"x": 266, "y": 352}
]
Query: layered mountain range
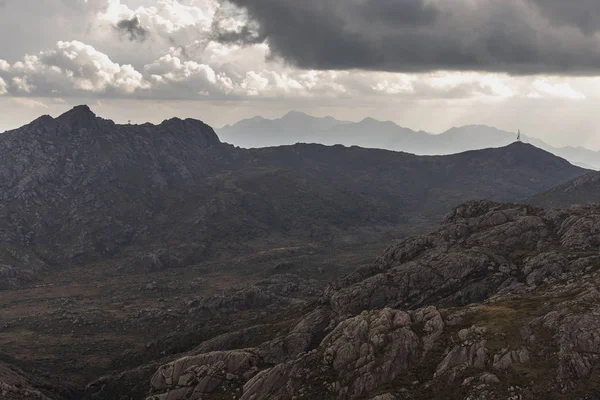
[
  {"x": 157, "y": 262},
  {"x": 370, "y": 133},
  {"x": 80, "y": 188}
]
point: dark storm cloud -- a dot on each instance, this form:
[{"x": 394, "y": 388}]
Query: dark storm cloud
[
  {"x": 132, "y": 29},
  {"x": 581, "y": 14},
  {"x": 514, "y": 36}
]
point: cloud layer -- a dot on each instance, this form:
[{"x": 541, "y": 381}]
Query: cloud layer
[
  {"x": 67, "y": 69},
  {"x": 75, "y": 69},
  {"x": 288, "y": 49},
  {"x": 411, "y": 58},
  {"x": 511, "y": 36}
]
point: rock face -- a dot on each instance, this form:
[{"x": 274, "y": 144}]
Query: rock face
[
  {"x": 79, "y": 188},
  {"x": 201, "y": 375},
  {"x": 501, "y": 302},
  {"x": 361, "y": 355}
]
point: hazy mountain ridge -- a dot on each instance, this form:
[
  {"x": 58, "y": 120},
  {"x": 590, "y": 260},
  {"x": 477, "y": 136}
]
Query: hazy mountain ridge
[{"x": 297, "y": 127}]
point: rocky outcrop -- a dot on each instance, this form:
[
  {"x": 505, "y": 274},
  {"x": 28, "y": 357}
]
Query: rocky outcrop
[
  {"x": 204, "y": 374},
  {"x": 516, "y": 316},
  {"x": 359, "y": 356}
]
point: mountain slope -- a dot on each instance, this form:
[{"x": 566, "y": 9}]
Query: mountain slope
[
  {"x": 426, "y": 186},
  {"x": 583, "y": 190},
  {"x": 370, "y": 133},
  {"x": 500, "y": 302},
  {"x": 79, "y": 188}
]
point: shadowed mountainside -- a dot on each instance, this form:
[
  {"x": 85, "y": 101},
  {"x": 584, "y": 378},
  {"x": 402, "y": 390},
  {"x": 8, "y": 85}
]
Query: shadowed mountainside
[
  {"x": 79, "y": 188},
  {"x": 582, "y": 190}
]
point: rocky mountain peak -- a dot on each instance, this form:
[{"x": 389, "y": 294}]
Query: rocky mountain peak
[
  {"x": 521, "y": 155},
  {"x": 191, "y": 127},
  {"x": 79, "y": 117},
  {"x": 521, "y": 145}
]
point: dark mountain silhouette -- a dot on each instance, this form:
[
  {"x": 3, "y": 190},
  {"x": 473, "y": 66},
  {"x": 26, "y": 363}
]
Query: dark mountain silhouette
[
  {"x": 80, "y": 187},
  {"x": 370, "y": 133}
]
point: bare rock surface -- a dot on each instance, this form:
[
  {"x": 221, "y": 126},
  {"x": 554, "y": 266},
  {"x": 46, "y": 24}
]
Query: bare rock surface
[{"x": 501, "y": 302}]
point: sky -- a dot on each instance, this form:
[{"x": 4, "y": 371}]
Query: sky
[{"x": 532, "y": 65}]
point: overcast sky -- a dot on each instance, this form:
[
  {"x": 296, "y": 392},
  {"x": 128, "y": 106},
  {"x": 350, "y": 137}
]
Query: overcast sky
[{"x": 424, "y": 64}]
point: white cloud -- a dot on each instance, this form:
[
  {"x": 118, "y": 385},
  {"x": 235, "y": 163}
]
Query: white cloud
[
  {"x": 403, "y": 85},
  {"x": 22, "y": 84},
  {"x": 73, "y": 68},
  {"x": 89, "y": 69},
  {"x": 467, "y": 85},
  {"x": 69, "y": 68},
  {"x": 171, "y": 25},
  {"x": 254, "y": 84},
  {"x": 560, "y": 90},
  {"x": 3, "y": 87},
  {"x": 28, "y": 26},
  {"x": 176, "y": 78},
  {"x": 179, "y": 60},
  {"x": 165, "y": 17}
]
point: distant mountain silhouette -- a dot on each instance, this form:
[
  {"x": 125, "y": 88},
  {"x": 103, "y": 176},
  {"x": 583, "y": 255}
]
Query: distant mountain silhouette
[
  {"x": 297, "y": 127},
  {"x": 79, "y": 188}
]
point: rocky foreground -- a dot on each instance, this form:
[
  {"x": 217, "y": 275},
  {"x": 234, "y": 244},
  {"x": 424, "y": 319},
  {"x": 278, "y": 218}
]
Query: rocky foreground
[{"x": 501, "y": 302}]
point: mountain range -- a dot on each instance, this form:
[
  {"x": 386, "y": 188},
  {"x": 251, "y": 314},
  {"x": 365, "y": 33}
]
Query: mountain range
[
  {"x": 156, "y": 262},
  {"x": 79, "y": 188},
  {"x": 297, "y": 127}
]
